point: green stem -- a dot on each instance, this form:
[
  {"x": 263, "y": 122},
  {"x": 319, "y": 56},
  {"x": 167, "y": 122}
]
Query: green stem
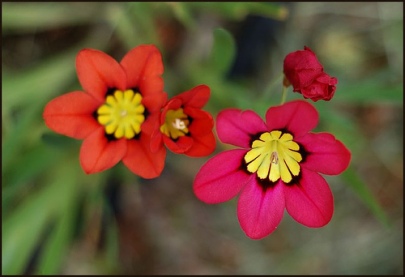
[
  {"x": 283, "y": 94},
  {"x": 269, "y": 89}
]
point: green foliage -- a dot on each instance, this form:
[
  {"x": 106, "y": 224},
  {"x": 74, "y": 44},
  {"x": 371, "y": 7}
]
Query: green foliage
[{"x": 42, "y": 181}]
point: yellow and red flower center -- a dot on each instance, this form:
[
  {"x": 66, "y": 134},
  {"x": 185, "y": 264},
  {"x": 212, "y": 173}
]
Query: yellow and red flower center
[
  {"x": 274, "y": 155},
  {"x": 176, "y": 124},
  {"x": 122, "y": 114}
]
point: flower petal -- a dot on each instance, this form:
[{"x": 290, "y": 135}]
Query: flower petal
[
  {"x": 310, "y": 200},
  {"x": 143, "y": 66},
  {"x": 301, "y": 68},
  {"x": 140, "y": 159},
  {"x": 260, "y": 210},
  {"x": 202, "y": 145},
  {"x": 221, "y": 177},
  {"x": 237, "y": 127},
  {"x": 298, "y": 117},
  {"x": 181, "y": 145},
  {"x": 154, "y": 102},
  {"x": 202, "y": 121},
  {"x": 195, "y": 97},
  {"x": 325, "y": 154},
  {"x": 97, "y": 72},
  {"x": 98, "y": 154},
  {"x": 71, "y": 114}
]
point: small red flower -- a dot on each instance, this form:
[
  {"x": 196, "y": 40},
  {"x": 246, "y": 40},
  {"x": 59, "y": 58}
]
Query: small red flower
[
  {"x": 303, "y": 70},
  {"x": 276, "y": 169},
  {"x": 116, "y": 113},
  {"x": 184, "y": 127}
]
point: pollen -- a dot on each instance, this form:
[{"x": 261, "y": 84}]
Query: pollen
[
  {"x": 122, "y": 114},
  {"x": 275, "y": 155},
  {"x": 176, "y": 124}
]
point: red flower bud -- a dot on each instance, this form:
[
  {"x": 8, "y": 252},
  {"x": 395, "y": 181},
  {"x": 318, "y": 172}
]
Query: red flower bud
[{"x": 305, "y": 73}]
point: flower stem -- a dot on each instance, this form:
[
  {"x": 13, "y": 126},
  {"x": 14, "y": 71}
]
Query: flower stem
[
  {"x": 283, "y": 95},
  {"x": 269, "y": 89}
]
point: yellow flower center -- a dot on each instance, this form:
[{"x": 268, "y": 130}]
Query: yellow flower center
[
  {"x": 274, "y": 155},
  {"x": 176, "y": 123},
  {"x": 122, "y": 114}
]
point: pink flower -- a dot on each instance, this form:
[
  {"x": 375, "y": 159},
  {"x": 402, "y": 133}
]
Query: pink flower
[{"x": 277, "y": 167}]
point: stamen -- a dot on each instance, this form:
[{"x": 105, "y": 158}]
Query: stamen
[
  {"x": 274, "y": 158},
  {"x": 179, "y": 124},
  {"x": 122, "y": 114},
  {"x": 176, "y": 124},
  {"x": 274, "y": 155}
]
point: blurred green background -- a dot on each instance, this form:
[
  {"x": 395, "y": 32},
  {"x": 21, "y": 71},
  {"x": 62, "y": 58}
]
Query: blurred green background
[{"x": 58, "y": 220}]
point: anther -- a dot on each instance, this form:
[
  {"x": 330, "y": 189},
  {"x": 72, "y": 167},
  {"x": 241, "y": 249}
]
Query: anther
[{"x": 179, "y": 124}]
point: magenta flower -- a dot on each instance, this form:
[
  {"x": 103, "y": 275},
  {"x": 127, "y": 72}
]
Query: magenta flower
[{"x": 276, "y": 168}]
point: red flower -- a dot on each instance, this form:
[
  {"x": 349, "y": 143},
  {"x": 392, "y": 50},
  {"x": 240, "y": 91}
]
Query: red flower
[
  {"x": 276, "y": 168},
  {"x": 303, "y": 70},
  {"x": 116, "y": 113},
  {"x": 184, "y": 127}
]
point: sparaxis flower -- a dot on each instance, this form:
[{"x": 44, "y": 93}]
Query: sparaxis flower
[
  {"x": 184, "y": 127},
  {"x": 277, "y": 167},
  {"x": 305, "y": 73},
  {"x": 117, "y": 111}
]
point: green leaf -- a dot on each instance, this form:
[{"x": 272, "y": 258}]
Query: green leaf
[
  {"x": 29, "y": 17},
  {"x": 375, "y": 89},
  {"x": 17, "y": 136},
  {"x": 223, "y": 51},
  {"x": 355, "y": 182},
  {"x": 182, "y": 13},
  {"x": 239, "y": 10},
  {"x": 25, "y": 226},
  {"x": 59, "y": 241}
]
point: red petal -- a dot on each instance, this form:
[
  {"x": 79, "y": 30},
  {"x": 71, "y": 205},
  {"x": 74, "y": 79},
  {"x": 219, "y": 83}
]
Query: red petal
[
  {"x": 202, "y": 146},
  {"x": 195, "y": 97},
  {"x": 221, "y": 178},
  {"x": 325, "y": 154},
  {"x": 310, "y": 201},
  {"x": 298, "y": 117},
  {"x": 301, "y": 68},
  {"x": 98, "y": 154},
  {"x": 71, "y": 114},
  {"x": 143, "y": 66},
  {"x": 151, "y": 124},
  {"x": 202, "y": 122},
  {"x": 260, "y": 211},
  {"x": 180, "y": 146},
  {"x": 236, "y": 127},
  {"x": 142, "y": 161},
  {"x": 97, "y": 72},
  {"x": 156, "y": 141}
]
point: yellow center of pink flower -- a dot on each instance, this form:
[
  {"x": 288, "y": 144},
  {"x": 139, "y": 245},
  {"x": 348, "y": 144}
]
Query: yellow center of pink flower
[
  {"x": 176, "y": 123},
  {"x": 122, "y": 114},
  {"x": 274, "y": 155}
]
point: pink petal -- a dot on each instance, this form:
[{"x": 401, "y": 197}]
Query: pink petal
[
  {"x": 237, "y": 127},
  {"x": 221, "y": 177},
  {"x": 260, "y": 211},
  {"x": 310, "y": 201},
  {"x": 71, "y": 114},
  {"x": 298, "y": 117},
  {"x": 98, "y": 154},
  {"x": 325, "y": 154},
  {"x": 97, "y": 72}
]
